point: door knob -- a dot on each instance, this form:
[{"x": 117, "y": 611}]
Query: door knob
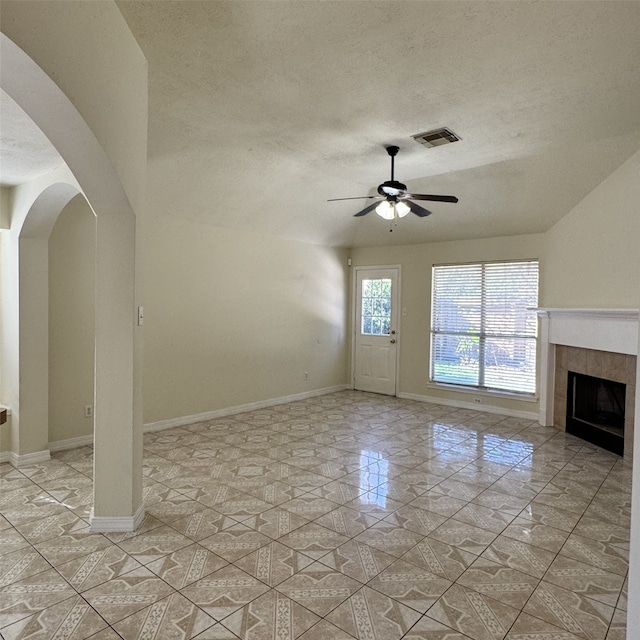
[{"x": 393, "y": 342}]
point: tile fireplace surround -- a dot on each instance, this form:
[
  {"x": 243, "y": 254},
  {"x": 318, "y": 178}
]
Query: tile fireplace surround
[{"x": 598, "y": 342}]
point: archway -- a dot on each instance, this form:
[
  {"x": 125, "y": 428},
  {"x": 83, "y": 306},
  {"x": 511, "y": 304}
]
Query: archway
[
  {"x": 30, "y": 315},
  {"x": 118, "y": 437}
]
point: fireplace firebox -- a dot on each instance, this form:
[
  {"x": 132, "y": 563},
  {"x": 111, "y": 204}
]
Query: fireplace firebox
[{"x": 595, "y": 411}]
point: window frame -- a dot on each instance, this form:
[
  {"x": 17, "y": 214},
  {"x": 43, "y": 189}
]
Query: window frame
[{"x": 482, "y": 335}]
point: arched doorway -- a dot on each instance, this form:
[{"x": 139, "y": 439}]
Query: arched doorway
[{"x": 118, "y": 437}]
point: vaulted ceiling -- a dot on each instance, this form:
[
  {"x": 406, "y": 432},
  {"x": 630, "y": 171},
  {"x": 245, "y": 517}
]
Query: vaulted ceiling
[
  {"x": 259, "y": 111},
  {"x": 25, "y": 152}
]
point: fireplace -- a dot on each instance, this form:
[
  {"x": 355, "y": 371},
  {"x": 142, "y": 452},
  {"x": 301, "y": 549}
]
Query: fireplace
[
  {"x": 596, "y": 410},
  {"x": 596, "y": 343}
]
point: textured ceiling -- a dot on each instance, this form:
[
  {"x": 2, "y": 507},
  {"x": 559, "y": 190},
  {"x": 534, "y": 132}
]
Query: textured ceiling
[
  {"x": 262, "y": 110},
  {"x": 25, "y": 152}
]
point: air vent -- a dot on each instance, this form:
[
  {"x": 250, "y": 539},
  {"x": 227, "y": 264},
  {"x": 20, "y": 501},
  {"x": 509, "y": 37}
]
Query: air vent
[{"x": 436, "y": 138}]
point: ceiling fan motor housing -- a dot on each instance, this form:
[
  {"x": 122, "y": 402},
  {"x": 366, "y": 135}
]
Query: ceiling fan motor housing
[{"x": 392, "y": 188}]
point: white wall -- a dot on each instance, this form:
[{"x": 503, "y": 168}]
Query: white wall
[
  {"x": 416, "y": 262},
  {"x": 71, "y": 321},
  {"x": 5, "y": 429},
  {"x": 591, "y": 257},
  {"x": 5, "y": 207},
  {"x": 232, "y": 319}
]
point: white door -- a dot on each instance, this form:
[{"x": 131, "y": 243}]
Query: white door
[{"x": 376, "y": 336}]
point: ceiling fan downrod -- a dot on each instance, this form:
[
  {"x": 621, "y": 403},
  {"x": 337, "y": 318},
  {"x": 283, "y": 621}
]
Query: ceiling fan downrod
[{"x": 393, "y": 152}]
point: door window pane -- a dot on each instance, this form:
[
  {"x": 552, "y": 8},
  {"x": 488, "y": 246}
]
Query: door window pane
[{"x": 376, "y": 307}]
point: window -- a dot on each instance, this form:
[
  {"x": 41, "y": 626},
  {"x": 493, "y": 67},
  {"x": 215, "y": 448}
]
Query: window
[
  {"x": 483, "y": 333},
  {"x": 376, "y": 307}
]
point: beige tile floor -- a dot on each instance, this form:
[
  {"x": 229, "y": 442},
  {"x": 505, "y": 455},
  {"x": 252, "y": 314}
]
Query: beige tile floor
[{"x": 344, "y": 516}]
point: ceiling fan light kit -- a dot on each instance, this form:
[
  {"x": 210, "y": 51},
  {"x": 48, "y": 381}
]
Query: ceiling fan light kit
[
  {"x": 392, "y": 210},
  {"x": 396, "y": 201}
]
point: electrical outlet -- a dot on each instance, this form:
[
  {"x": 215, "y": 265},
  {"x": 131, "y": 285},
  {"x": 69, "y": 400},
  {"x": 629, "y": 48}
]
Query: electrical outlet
[
  {"x": 88, "y": 411},
  {"x": 478, "y": 400}
]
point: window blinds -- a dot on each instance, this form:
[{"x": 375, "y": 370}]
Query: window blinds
[{"x": 483, "y": 333}]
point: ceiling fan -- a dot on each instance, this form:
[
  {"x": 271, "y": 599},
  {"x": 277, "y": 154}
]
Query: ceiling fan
[{"x": 396, "y": 202}]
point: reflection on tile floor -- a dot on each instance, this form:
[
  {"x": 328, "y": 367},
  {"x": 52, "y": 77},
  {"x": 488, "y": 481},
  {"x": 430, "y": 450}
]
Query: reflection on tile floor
[{"x": 346, "y": 516}]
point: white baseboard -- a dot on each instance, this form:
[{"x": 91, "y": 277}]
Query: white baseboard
[
  {"x": 25, "y": 459},
  {"x": 229, "y": 411},
  {"x": 459, "y": 404},
  {"x": 104, "y": 524},
  {"x": 71, "y": 443}
]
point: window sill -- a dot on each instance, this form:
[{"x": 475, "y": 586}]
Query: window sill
[{"x": 482, "y": 392}]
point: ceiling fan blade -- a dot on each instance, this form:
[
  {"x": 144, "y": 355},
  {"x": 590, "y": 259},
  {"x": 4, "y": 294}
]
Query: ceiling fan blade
[
  {"x": 434, "y": 198},
  {"x": 368, "y": 209},
  {"x": 356, "y": 198},
  {"x": 417, "y": 209}
]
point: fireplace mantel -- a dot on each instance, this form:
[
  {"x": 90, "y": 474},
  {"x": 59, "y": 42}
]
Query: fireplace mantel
[{"x": 613, "y": 330}]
